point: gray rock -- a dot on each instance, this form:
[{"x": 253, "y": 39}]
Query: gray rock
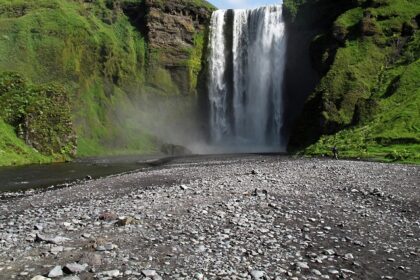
[
  {"x": 302, "y": 265},
  {"x": 40, "y": 277},
  {"x": 199, "y": 276},
  {"x": 72, "y": 277},
  {"x": 74, "y": 268},
  {"x": 55, "y": 272},
  {"x": 149, "y": 273},
  {"x": 56, "y": 250},
  {"x": 316, "y": 272},
  {"x": 111, "y": 273},
  {"x": 257, "y": 274},
  {"x": 50, "y": 239},
  {"x": 91, "y": 259}
]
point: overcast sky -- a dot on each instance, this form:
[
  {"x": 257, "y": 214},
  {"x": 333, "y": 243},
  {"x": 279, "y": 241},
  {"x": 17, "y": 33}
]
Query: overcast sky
[{"x": 238, "y": 4}]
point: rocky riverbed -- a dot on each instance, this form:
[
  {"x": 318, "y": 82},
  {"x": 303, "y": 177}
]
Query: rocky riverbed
[{"x": 221, "y": 217}]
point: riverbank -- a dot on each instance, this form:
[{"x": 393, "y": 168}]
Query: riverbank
[{"x": 221, "y": 217}]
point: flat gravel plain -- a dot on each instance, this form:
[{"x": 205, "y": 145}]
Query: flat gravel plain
[{"x": 220, "y": 217}]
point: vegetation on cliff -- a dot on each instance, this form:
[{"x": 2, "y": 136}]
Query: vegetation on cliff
[
  {"x": 368, "y": 100},
  {"x": 101, "y": 56}
]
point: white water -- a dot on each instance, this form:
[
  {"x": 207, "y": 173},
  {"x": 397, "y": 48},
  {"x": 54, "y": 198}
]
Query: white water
[{"x": 246, "y": 76}]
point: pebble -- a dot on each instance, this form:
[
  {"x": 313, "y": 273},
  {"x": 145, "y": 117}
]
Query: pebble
[
  {"x": 74, "y": 268},
  {"x": 111, "y": 273},
  {"x": 40, "y": 277},
  {"x": 257, "y": 274}
]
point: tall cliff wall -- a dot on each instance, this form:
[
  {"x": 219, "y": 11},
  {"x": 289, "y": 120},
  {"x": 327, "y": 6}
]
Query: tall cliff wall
[
  {"x": 367, "y": 56},
  {"x": 112, "y": 58}
]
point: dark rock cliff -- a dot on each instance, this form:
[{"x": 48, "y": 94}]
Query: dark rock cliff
[
  {"x": 365, "y": 54},
  {"x": 176, "y": 32}
]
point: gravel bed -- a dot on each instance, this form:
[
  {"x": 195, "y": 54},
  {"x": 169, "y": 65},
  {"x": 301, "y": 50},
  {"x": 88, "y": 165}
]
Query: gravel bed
[{"x": 221, "y": 217}]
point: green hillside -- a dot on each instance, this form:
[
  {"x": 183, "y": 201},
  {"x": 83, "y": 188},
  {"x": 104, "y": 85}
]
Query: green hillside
[
  {"x": 368, "y": 100},
  {"x": 100, "y": 57}
]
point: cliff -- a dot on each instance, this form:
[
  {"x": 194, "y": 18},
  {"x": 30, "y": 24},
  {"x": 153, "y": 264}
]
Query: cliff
[
  {"x": 366, "y": 55},
  {"x": 108, "y": 60}
]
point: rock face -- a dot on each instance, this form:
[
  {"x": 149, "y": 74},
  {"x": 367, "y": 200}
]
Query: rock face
[
  {"x": 359, "y": 50},
  {"x": 176, "y": 31}
]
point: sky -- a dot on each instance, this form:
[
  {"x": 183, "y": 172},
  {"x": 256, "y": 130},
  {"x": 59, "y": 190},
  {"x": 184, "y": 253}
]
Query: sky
[{"x": 242, "y": 4}]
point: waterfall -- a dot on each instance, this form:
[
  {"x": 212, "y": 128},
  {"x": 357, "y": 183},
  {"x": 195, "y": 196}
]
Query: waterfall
[{"x": 246, "y": 66}]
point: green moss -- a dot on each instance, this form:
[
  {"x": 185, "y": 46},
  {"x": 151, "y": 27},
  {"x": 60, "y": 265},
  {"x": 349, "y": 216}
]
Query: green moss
[
  {"x": 37, "y": 122},
  {"x": 367, "y": 103},
  {"x": 196, "y": 59},
  {"x": 14, "y": 151}
]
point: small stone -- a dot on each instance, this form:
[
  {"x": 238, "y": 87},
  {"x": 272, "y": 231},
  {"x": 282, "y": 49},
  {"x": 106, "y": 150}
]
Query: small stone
[
  {"x": 50, "y": 239},
  {"x": 257, "y": 274},
  {"x": 149, "y": 273},
  {"x": 126, "y": 221},
  {"x": 72, "y": 277},
  {"x": 348, "y": 271},
  {"x": 39, "y": 227},
  {"x": 55, "y": 272},
  {"x": 109, "y": 246},
  {"x": 108, "y": 216},
  {"x": 316, "y": 272},
  {"x": 111, "y": 273},
  {"x": 40, "y": 277},
  {"x": 199, "y": 276},
  {"x": 74, "y": 268},
  {"x": 333, "y": 271},
  {"x": 348, "y": 256},
  {"x": 56, "y": 250},
  {"x": 91, "y": 259},
  {"x": 329, "y": 252},
  {"x": 302, "y": 265}
]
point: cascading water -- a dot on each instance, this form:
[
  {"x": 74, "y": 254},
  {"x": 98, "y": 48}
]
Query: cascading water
[{"x": 246, "y": 67}]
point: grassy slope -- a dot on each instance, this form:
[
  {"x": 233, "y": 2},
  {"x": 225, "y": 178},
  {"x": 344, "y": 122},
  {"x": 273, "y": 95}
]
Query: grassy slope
[
  {"x": 14, "y": 151},
  {"x": 95, "y": 52},
  {"x": 81, "y": 46},
  {"x": 371, "y": 92}
]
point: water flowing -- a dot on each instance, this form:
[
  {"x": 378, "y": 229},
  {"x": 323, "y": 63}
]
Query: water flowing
[{"x": 246, "y": 68}]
